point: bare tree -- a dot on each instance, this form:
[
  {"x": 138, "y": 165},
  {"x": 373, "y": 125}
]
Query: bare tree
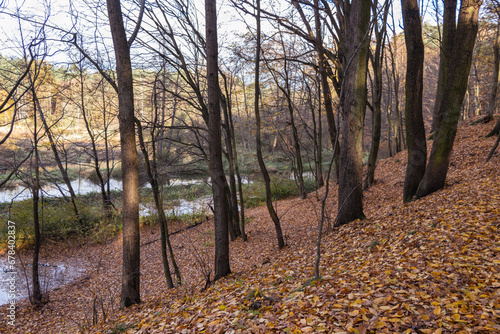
[
  {"x": 131, "y": 238},
  {"x": 258, "y": 139}
]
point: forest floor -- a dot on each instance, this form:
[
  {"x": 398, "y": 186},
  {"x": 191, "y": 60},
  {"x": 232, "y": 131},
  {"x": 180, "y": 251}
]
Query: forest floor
[{"x": 430, "y": 266}]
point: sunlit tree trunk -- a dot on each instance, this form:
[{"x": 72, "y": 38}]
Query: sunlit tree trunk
[{"x": 130, "y": 293}]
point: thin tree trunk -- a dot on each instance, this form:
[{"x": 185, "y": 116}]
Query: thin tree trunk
[
  {"x": 265, "y": 174},
  {"x": 238, "y": 176},
  {"x": 37, "y": 293},
  {"x": 295, "y": 134},
  {"x": 233, "y": 200},
  {"x": 106, "y": 201},
  {"x": 377, "y": 63},
  {"x": 59, "y": 163},
  {"x": 323, "y": 67},
  {"x": 153, "y": 181},
  {"x": 106, "y": 149},
  {"x": 389, "y": 106}
]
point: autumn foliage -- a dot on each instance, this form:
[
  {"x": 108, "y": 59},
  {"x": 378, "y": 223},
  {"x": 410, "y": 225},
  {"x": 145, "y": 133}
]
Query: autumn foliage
[{"x": 430, "y": 266}]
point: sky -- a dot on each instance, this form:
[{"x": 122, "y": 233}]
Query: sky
[{"x": 10, "y": 37}]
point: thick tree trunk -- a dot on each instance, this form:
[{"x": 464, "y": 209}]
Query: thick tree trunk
[
  {"x": 130, "y": 293},
  {"x": 451, "y": 101},
  {"x": 415, "y": 130},
  {"x": 357, "y": 21},
  {"x": 449, "y": 29},
  {"x": 214, "y": 134}
]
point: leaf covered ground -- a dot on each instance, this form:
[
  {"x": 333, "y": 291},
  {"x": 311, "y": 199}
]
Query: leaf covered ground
[{"x": 430, "y": 266}]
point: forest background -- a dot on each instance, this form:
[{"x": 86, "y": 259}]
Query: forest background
[{"x": 313, "y": 97}]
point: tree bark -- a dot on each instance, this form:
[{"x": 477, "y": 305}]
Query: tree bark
[
  {"x": 449, "y": 30},
  {"x": 415, "y": 130},
  {"x": 353, "y": 101},
  {"x": 451, "y": 101},
  {"x": 496, "y": 73},
  {"x": 130, "y": 293},
  {"x": 214, "y": 137}
]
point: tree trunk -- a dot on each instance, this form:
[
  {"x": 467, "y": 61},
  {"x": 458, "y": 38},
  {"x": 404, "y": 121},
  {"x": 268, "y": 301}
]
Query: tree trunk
[
  {"x": 451, "y": 101},
  {"x": 214, "y": 137},
  {"x": 37, "y": 292},
  {"x": 353, "y": 101},
  {"x": 153, "y": 181},
  {"x": 449, "y": 29},
  {"x": 295, "y": 134},
  {"x": 107, "y": 198},
  {"x": 377, "y": 63},
  {"x": 495, "y": 131},
  {"x": 265, "y": 174},
  {"x": 106, "y": 201},
  {"x": 495, "y": 75},
  {"x": 323, "y": 67},
  {"x": 415, "y": 130},
  {"x": 233, "y": 199},
  {"x": 130, "y": 293},
  {"x": 238, "y": 177},
  {"x": 59, "y": 163}
]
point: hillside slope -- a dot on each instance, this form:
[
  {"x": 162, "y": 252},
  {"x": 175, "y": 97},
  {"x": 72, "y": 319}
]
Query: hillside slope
[{"x": 430, "y": 266}]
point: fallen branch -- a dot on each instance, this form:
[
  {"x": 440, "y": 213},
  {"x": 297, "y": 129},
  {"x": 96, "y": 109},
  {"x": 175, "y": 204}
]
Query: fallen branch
[{"x": 176, "y": 232}]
